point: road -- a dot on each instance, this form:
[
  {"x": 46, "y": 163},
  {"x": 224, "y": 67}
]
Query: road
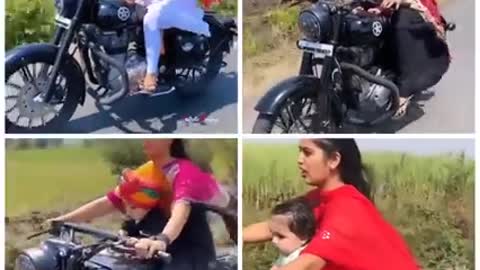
[
  {"x": 164, "y": 114},
  {"x": 451, "y": 108}
]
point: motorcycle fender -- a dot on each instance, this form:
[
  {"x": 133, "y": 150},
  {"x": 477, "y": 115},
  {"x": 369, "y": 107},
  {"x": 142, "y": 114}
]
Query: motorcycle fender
[
  {"x": 271, "y": 102},
  {"x": 45, "y": 52}
]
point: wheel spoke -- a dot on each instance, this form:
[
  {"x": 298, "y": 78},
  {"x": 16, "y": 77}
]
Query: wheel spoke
[
  {"x": 28, "y": 74},
  {"x": 14, "y": 85},
  {"x": 34, "y": 70},
  {"x": 24, "y": 75},
  {"x": 12, "y": 97},
  {"x": 11, "y": 109},
  {"x": 43, "y": 120},
  {"x": 17, "y": 120}
]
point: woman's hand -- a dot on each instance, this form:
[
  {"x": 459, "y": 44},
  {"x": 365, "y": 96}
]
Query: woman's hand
[
  {"x": 47, "y": 224},
  {"x": 375, "y": 11},
  {"x": 147, "y": 248},
  {"x": 392, "y": 4}
]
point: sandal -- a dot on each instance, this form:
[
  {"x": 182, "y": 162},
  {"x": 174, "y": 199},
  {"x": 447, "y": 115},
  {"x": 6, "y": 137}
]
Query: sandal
[
  {"x": 149, "y": 84},
  {"x": 402, "y": 109}
]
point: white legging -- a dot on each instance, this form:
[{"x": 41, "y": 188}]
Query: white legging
[{"x": 165, "y": 14}]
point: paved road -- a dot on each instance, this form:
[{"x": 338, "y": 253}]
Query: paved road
[
  {"x": 164, "y": 114},
  {"x": 451, "y": 108}
]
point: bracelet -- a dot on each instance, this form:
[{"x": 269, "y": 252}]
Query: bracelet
[{"x": 162, "y": 237}]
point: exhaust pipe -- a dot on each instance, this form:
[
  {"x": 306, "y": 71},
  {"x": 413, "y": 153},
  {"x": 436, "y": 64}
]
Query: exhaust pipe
[{"x": 121, "y": 69}]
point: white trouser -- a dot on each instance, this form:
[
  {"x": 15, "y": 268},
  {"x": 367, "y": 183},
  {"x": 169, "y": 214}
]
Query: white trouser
[{"x": 165, "y": 14}]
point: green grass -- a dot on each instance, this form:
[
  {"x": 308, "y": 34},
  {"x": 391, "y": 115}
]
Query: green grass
[
  {"x": 428, "y": 199},
  {"x": 227, "y": 8},
  {"x": 269, "y": 30},
  {"x": 51, "y": 179}
]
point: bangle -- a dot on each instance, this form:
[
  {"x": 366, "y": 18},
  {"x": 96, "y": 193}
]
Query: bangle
[{"x": 163, "y": 237}]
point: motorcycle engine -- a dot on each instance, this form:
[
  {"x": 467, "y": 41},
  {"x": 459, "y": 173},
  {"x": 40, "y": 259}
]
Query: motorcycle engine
[
  {"x": 372, "y": 99},
  {"x": 191, "y": 46}
]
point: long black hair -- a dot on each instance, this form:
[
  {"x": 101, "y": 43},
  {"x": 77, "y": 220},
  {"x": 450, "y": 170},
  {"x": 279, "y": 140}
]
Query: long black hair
[
  {"x": 351, "y": 167},
  {"x": 177, "y": 149}
]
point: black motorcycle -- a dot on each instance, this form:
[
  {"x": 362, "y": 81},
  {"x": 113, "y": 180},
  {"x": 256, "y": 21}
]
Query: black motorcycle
[
  {"x": 64, "y": 250},
  {"x": 45, "y": 82},
  {"x": 346, "y": 77}
]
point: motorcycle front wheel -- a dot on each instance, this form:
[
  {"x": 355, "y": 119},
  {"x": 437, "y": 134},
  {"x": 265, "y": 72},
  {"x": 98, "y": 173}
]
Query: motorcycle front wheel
[
  {"x": 25, "y": 89},
  {"x": 295, "y": 116}
]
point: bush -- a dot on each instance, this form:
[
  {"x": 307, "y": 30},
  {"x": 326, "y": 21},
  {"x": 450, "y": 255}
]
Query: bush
[
  {"x": 121, "y": 154},
  {"x": 216, "y": 156},
  {"x": 227, "y": 8},
  {"x": 28, "y": 21}
]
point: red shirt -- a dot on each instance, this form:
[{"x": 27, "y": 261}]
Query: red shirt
[{"x": 353, "y": 235}]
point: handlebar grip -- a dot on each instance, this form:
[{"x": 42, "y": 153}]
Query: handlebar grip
[{"x": 164, "y": 256}]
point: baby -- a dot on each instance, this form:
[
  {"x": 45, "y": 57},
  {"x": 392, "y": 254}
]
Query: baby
[{"x": 292, "y": 225}]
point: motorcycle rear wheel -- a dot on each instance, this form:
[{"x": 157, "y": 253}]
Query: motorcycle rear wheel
[{"x": 198, "y": 86}]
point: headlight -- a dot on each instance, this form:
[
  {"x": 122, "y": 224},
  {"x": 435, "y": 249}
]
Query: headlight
[
  {"x": 309, "y": 25},
  {"x": 36, "y": 259},
  {"x": 24, "y": 262},
  {"x": 315, "y": 23},
  {"x": 66, "y": 8}
]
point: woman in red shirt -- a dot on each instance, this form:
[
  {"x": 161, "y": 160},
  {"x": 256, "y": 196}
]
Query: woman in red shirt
[{"x": 351, "y": 233}]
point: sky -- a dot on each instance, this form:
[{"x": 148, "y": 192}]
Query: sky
[{"x": 416, "y": 146}]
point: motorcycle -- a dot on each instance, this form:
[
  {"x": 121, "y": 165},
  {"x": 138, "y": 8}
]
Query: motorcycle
[
  {"x": 64, "y": 250},
  {"x": 45, "y": 82},
  {"x": 346, "y": 76}
]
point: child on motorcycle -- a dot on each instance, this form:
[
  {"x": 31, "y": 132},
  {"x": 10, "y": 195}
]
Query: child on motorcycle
[
  {"x": 165, "y": 14},
  {"x": 166, "y": 198},
  {"x": 292, "y": 225}
]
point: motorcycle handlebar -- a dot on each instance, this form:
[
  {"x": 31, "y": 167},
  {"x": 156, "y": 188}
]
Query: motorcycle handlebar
[{"x": 81, "y": 228}]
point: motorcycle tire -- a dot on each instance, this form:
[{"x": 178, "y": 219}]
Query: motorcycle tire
[
  {"x": 215, "y": 63},
  {"x": 265, "y": 122},
  {"x": 66, "y": 112}
]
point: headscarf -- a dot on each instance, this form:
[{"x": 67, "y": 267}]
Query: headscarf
[
  {"x": 207, "y": 4},
  {"x": 140, "y": 191}
]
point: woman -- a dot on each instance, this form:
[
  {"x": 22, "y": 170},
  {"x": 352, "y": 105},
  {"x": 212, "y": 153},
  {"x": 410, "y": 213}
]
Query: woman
[
  {"x": 161, "y": 15},
  {"x": 166, "y": 197},
  {"x": 419, "y": 47},
  {"x": 351, "y": 233}
]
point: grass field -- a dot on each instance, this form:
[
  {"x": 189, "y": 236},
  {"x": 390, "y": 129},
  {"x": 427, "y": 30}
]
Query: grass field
[
  {"x": 429, "y": 199},
  {"x": 54, "y": 178}
]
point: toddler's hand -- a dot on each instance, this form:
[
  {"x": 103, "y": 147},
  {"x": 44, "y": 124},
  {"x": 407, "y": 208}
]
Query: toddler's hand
[{"x": 274, "y": 267}]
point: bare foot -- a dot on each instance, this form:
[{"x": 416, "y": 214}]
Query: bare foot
[
  {"x": 402, "y": 109},
  {"x": 150, "y": 82}
]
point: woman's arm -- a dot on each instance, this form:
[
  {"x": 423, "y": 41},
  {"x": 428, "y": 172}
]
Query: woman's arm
[
  {"x": 94, "y": 209},
  {"x": 258, "y": 232},
  {"x": 305, "y": 262},
  {"x": 146, "y": 247},
  {"x": 180, "y": 213}
]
